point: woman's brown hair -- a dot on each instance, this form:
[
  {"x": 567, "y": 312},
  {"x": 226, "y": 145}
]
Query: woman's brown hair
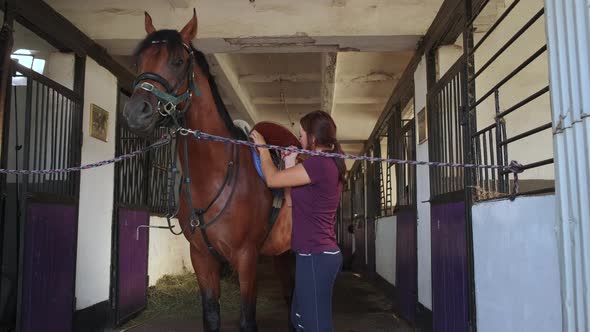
[{"x": 321, "y": 131}]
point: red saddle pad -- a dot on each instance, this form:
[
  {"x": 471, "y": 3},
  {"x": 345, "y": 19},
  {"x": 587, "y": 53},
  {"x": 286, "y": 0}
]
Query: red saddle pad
[{"x": 276, "y": 134}]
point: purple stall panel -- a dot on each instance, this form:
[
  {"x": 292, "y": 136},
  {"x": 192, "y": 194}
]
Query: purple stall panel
[
  {"x": 132, "y": 263},
  {"x": 406, "y": 265},
  {"x": 449, "y": 268},
  {"x": 49, "y": 267}
]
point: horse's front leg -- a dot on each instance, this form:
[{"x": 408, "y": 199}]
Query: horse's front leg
[
  {"x": 246, "y": 267},
  {"x": 207, "y": 270}
]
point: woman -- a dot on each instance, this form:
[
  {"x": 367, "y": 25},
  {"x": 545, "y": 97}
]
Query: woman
[{"x": 314, "y": 187}]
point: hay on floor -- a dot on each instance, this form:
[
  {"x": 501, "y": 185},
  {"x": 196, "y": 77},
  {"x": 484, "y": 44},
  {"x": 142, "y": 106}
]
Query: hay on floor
[{"x": 178, "y": 296}]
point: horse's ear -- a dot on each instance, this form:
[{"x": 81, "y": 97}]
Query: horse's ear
[
  {"x": 189, "y": 32},
  {"x": 149, "y": 26}
]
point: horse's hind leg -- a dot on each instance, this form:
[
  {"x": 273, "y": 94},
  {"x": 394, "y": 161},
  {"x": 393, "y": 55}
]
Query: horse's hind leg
[
  {"x": 246, "y": 267},
  {"x": 207, "y": 270},
  {"x": 284, "y": 265}
]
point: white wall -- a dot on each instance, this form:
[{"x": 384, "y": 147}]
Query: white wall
[
  {"x": 423, "y": 194},
  {"x": 385, "y": 248},
  {"x": 516, "y": 266},
  {"x": 446, "y": 57},
  {"x": 96, "y": 193},
  {"x": 168, "y": 254},
  {"x": 60, "y": 68}
]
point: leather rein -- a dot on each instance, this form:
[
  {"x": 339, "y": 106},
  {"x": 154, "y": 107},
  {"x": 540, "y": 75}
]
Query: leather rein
[{"x": 174, "y": 117}]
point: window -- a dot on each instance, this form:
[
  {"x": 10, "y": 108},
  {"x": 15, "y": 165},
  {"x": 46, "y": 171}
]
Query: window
[{"x": 27, "y": 59}]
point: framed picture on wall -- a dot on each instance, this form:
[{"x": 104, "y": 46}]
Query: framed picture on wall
[
  {"x": 99, "y": 123},
  {"x": 422, "y": 126}
]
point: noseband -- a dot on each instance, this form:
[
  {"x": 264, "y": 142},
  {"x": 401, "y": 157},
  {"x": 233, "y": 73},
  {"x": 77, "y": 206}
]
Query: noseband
[{"x": 169, "y": 100}]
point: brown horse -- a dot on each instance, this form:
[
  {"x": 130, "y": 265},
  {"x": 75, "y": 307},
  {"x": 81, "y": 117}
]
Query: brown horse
[{"x": 174, "y": 84}]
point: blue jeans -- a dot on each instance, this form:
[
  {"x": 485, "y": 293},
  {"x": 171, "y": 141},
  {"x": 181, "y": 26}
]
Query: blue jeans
[{"x": 315, "y": 275}]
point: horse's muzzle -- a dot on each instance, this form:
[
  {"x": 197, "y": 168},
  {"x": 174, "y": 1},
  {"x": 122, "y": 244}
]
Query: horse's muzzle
[{"x": 140, "y": 115}]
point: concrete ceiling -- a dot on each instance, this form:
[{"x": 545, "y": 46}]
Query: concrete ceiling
[{"x": 277, "y": 59}]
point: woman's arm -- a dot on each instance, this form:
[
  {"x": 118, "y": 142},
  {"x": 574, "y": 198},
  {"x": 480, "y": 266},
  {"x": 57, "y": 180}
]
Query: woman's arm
[
  {"x": 291, "y": 177},
  {"x": 288, "y": 200}
]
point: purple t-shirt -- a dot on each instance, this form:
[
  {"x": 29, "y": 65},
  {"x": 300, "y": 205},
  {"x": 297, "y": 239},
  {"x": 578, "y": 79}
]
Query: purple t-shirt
[{"x": 314, "y": 207}]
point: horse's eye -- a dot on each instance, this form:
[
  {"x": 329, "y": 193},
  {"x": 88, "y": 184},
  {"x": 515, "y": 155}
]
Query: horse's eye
[{"x": 178, "y": 62}]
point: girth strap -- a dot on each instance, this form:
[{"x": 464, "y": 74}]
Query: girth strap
[{"x": 230, "y": 180}]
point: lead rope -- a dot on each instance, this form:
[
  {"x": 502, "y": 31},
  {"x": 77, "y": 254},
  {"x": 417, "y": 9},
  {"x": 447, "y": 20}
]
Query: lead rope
[
  {"x": 194, "y": 220},
  {"x": 172, "y": 173}
]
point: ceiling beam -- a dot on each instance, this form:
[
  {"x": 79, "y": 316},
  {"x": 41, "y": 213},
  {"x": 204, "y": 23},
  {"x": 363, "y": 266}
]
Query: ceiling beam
[
  {"x": 360, "y": 100},
  {"x": 373, "y": 77},
  {"x": 318, "y": 100},
  {"x": 328, "y": 78},
  {"x": 290, "y": 100},
  {"x": 274, "y": 78},
  {"x": 228, "y": 80}
]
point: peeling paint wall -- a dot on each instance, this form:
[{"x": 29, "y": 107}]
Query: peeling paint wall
[
  {"x": 385, "y": 246},
  {"x": 517, "y": 285},
  {"x": 423, "y": 195},
  {"x": 95, "y": 219},
  {"x": 168, "y": 254}
]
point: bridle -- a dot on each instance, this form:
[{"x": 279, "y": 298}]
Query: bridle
[
  {"x": 169, "y": 100},
  {"x": 168, "y": 103}
]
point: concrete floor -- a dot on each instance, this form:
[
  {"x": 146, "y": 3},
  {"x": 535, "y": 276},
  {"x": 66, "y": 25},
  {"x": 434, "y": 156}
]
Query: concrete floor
[{"x": 358, "y": 307}]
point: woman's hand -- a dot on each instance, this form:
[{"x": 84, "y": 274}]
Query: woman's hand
[
  {"x": 289, "y": 158},
  {"x": 258, "y": 139}
]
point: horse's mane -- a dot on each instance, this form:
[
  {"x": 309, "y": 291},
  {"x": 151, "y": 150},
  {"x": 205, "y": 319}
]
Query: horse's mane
[{"x": 173, "y": 42}]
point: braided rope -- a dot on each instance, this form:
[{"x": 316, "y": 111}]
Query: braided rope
[
  {"x": 513, "y": 167},
  {"x": 163, "y": 141}
]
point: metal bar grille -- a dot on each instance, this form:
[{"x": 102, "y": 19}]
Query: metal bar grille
[
  {"x": 49, "y": 114},
  {"x": 445, "y": 123},
  {"x": 158, "y": 178},
  {"x": 492, "y": 144},
  {"x": 377, "y": 179},
  {"x": 131, "y": 175},
  {"x": 406, "y": 174},
  {"x": 391, "y": 143},
  {"x": 141, "y": 182},
  {"x": 358, "y": 194}
]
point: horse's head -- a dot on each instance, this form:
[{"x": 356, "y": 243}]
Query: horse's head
[{"x": 165, "y": 81}]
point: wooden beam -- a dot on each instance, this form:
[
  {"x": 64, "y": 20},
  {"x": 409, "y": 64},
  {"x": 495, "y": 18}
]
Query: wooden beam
[
  {"x": 228, "y": 80},
  {"x": 445, "y": 29},
  {"x": 39, "y": 17}
]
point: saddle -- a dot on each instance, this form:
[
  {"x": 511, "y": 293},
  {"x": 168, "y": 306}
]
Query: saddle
[{"x": 274, "y": 134}]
